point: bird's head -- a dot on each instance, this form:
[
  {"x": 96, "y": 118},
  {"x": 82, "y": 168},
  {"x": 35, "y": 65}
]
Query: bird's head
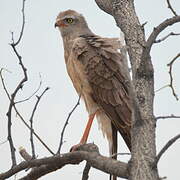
[{"x": 71, "y": 23}]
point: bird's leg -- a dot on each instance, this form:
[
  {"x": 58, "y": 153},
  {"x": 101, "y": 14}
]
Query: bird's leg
[{"x": 86, "y": 132}]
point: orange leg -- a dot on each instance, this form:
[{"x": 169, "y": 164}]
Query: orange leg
[{"x": 86, "y": 132}]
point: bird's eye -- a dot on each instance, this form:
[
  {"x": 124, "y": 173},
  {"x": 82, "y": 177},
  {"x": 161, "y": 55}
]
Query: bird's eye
[{"x": 69, "y": 20}]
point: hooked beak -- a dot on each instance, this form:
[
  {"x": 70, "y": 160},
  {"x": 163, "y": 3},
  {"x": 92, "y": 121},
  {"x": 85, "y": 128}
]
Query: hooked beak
[{"x": 60, "y": 23}]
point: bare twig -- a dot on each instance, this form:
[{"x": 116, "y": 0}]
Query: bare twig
[
  {"x": 159, "y": 29},
  {"x": 31, "y": 122},
  {"x": 161, "y": 88},
  {"x": 165, "y": 148},
  {"x": 167, "y": 117},
  {"x": 23, "y": 25},
  {"x": 49, "y": 164},
  {"x": 12, "y": 148},
  {"x": 28, "y": 98},
  {"x": 170, "y": 7},
  {"x": 19, "y": 86},
  {"x": 66, "y": 123},
  {"x": 143, "y": 25},
  {"x": 171, "y": 77},
  {"x": 165, "y": 37},
  {"x": 22, "y": 119},
  {"x": 3, "y": 83},
  {"x": 86, "y": 171}
]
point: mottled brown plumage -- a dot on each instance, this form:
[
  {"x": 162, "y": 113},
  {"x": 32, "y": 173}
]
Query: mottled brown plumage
[{"x": 99, "y": 74}]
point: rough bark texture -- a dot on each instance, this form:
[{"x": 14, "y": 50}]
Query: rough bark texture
[
  {"x": 88, "y": 152},
  {"x": 143, "y": 131}
]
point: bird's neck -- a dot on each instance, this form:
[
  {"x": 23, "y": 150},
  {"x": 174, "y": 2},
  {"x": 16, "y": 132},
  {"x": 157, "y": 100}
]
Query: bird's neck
[{"x": 69, "y": 39}]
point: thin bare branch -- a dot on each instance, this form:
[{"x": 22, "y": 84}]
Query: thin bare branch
[
  {"x": 23, "y": 25},
  {"x": 35, "y": 134},
  {"x": 3, "y": 83},
  {"x": 167, "y": 117},
  {"x": 165, "y": 37},
  {"x": 88, "y": 152},
  {"x": 86, "y": 170},
  {"x": 28, "y": 98},
  {"x": 161, "y": 88},
  {"x": 19, "y": 86},
  {"x": 171, "y": 77},
  {"x": 66, "y": 123},
  {"x": 157, "y": 30},
  {"x": 31, "y": 122},
  {"x": 21, "y": 118},
  {"x": 165, "y": 148},
  {"x": 170, "y": 7}
]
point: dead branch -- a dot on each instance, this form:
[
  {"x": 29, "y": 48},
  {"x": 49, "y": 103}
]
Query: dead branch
[
  {"x": 28, "y": 98},
  {"x": 170, "y": 7},
  {"x": 66, "y": 123},
  {"x": 20, "y": 116},
  {"x": 19, "y": 86},
  {"x": 165, "y": 37},
  {"x": 31, "y": 122},
  {"x": 167, "y": 117},
  {"x": 161, "y": 88},
  {"x": 157, "y": 30},
  {"x": 88, "y": 152},
  {"x": 86, "y": 171},
  {"x": 23, "y": 25},
  {"x": 24, "y": 154},
  {"x": 171, "y": 77},
  {"x": 165, "y": 148}
]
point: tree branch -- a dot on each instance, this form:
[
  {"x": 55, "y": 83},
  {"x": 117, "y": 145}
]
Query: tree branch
[
  {"x": 167, "y": 117},
  {"x": 165, "y": 148},
  {"x": 165, "y": 37},
  {"x": 66, "y": 123},
  {"x": 23, "y": 25},
  {"x": 20, "y": 116},
  {"x": 31, "y": 122},
  {"x": 88, "y": 152},
  {"x": 28, "y": 98},
  {"x": 19, "y": 86},
  {"x": 86, "y": 171},
  {"x": 171, "y": 77},
  {"x": 170, "y": 7},
  {"x": 160, "y": 28}
]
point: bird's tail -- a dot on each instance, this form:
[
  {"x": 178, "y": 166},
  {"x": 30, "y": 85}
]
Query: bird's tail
[{"x": 113, "y": 150}]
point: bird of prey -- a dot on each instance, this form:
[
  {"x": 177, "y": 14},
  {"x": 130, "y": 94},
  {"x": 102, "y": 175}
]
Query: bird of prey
[{"x": 97, "y": 71}]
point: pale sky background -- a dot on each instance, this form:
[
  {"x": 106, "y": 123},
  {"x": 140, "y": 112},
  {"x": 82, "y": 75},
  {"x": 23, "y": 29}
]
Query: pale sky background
[{"x": 42, "y": 51}]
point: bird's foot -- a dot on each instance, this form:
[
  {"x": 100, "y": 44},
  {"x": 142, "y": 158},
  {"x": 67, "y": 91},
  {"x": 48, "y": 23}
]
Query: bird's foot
[{"x": 75, "y": 147}]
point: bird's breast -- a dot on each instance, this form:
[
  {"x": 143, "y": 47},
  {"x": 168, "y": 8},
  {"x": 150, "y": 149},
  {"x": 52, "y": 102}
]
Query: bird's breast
[{"x": 80, "y": 82}]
